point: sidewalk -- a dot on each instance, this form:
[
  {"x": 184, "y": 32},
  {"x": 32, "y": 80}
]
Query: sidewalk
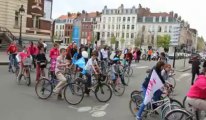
[{"x": 179, "y": 65}]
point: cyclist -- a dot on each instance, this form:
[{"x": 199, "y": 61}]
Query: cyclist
[
  {"x": 196, "y": 95},
  {"x": 117, "y": 72},
  {"x": 129, "y": 57},
  {"x": 21, "y": 56},
  {"x": 61, "y": 64},
  {"x": 166, "y": 71},
  {"x": 41, "y": 63},
  {"x": 163, "y": 58},
  {"x": 12, "y": 51},
  {"x": 33, "y": 50},
  {"x": 158, "y": 68},
  {"x": 54, "y": 53},
  {"x": 90, "y": 68}
]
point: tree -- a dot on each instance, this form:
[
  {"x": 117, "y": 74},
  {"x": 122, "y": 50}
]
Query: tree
[
  {"x": 163, "y": 41},
  {"x": 200, "y": 44},
  {"x": 122, "y": 40},
  {"x": 137, "y": 41},
  {"x": 113, "y": 40}
]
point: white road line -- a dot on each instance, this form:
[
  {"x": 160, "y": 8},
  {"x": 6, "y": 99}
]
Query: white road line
[
  {"x": 142, "y": 67},
  {"x": 183, "y": 76}
]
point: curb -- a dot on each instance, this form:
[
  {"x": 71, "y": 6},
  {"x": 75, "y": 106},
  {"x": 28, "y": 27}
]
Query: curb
[{"x": 183, "y": 70}]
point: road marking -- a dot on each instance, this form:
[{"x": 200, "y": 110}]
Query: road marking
[
  {"x": 183, "y": 76},
  {"x": 96, "y": 111},
  {"x": 142, "y": 67}
]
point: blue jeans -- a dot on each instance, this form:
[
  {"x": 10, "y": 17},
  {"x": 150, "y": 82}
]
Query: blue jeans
[
  {"x": 142, "y": 106},
  {"x": 156, "y": 97},
  {"x": 13, "y": 60}
]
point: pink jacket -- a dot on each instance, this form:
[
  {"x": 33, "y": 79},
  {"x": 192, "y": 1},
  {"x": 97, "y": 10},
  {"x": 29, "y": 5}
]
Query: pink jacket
[
  {"x": 198, "y": 90},
  {"x": 54, "y": 53}
]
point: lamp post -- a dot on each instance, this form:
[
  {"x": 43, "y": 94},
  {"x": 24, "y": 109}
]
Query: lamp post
[{"x": 21, "y": 13}]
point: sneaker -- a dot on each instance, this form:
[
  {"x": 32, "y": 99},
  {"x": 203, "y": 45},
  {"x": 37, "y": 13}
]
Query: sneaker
[
  {"x": 138, "y": 118},
  {"x": 59, "y": 96}
]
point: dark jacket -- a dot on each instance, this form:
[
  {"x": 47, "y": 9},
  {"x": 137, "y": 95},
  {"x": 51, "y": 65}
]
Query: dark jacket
[
  {"x": 147, "y": 79},
  {"x": 195, "y": 66}
]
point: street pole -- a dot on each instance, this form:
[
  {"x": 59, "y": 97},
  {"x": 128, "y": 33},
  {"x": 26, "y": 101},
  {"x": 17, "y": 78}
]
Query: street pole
[
  {"x": 20, "y": 38},
  {"x": 174, "y": 57},
  {"x": 184, "y": 53}
]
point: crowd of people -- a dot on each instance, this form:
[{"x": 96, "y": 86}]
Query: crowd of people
[{"x": 92, "y": 54}]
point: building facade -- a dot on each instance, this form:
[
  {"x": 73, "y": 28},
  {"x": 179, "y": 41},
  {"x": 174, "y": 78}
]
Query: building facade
[{"x": 120, "y": 23}]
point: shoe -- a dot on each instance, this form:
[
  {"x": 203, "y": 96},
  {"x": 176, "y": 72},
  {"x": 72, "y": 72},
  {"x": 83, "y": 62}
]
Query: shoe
[
  {"x": 59, "y": 96},
  {"x": 138, "y": 118},
  {"x": 125, "y": 84}
]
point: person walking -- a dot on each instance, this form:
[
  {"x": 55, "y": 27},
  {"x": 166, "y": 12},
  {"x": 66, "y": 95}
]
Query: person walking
[
  {"x": 149, "y": 54},
  {"x": 195, "y": 68}
]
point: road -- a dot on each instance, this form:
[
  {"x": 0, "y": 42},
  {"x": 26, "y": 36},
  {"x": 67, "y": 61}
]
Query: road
[{"x": 19, "y": 102}]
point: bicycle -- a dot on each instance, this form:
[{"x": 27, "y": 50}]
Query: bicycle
[
  {"x": 166, "y": 103},
  {"x": 25, "y": 71},
  {"x": 117, "y": 87},
  {"x": 98, "y": 87},
  {"x": 127, "y": 69},
  {"x": 44, "y": 89}
]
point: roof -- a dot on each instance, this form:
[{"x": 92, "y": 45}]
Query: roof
[
  {"x": 72, "y": 16},
  {"x": 164, "y": 14},
  {"x": 88, "y": 15}
]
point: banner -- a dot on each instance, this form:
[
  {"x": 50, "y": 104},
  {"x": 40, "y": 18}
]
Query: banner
[
  {"x": 76, "y": 35},
  {"x": 154, "y": 84}
]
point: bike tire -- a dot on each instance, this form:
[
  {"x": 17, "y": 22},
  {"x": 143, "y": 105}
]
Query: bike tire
[
  {"x": 28, "y": 78},
  {"x": 99, "y": 88},
  {"x": 134, "y": 93},
  {"x": 134, "y": 105},
  {"x": 119, "y": 89},
  {"x": 172, "y": 81},
  {"x": 183, "y": 115},
  {"x": 42, "y": 86},
  {"x": 167, "y": 109},
  {"x": 76, "y": 93}
]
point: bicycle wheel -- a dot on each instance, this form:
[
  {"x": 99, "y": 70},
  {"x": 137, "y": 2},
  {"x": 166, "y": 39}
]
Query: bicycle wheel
[
  {"x": 43, "y": 88},
  {"x": 73, "y": 94},
  {"x": 184, "y": 102},
  {"x": 178, "y": 114},
  {"x": 118, "y": 89},
  {"x": 167, "y": 109},
  {"x": 172, "y": 81},
  {"x": 128, "y": 71},
  {"x": 135, "y": 103},
  {"x": 103, "y": 92},
  {"x": 134, "y": 93},
  {"x": 176, "y": 102},
  {"x": 126, "y": 79}
]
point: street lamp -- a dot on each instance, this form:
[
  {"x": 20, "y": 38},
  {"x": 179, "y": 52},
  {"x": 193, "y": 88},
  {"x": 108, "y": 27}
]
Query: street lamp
[{"x": 21, "y": 13}]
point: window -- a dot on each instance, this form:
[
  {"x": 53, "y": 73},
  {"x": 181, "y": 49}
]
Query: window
[
  {"x": 108, "y": 26},
  {"x": 103, "y": 34},
  {"x": 63, "y": 26},
  {"x": 103, "y": 26},
  {"x": 123, "y": 27},
  {"x": 108, "y": 34},
  {"x": 143, "y": 28},
  {"x": 56, "y": 26},
  {"x": 159, "y": 29},
  {"x": 122, "y": 35},
  {"x": 117, "y": 27},
  {"x": 104, "y": 19},
  {"x": 112, "y": 26},
  {"x": 128, "y": 19},
  {"x": 124, "y": 19},
  {"x": 16, "y": 18},
  {"x": 56, "y": 33},
  {"x": 127, "y": 27},
  {"x": 127, "y": 35},
  {"x": 132, "y": 27},
  {"x": 109, "y": 19},
  {"x": 170, "y": 29},
  {"x": 113, "y": 19},
  {"x": 165, "y": 28},
  {"x": 132, "y": 35},
  {"x": 119, "y": 19},
  {"x": 133, "y": 19},
  {"x": 36, "y": 21}
]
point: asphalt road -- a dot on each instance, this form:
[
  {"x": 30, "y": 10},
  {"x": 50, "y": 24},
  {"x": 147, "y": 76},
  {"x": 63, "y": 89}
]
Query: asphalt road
[{"x": 19, "y": 102}]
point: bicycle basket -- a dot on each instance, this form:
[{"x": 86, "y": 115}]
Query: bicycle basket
[
  {"x": 102, "y": 77},
  {"x": 27, "y": 62}
]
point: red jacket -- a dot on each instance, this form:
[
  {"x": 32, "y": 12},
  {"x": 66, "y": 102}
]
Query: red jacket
[
  {"x": 32, "y": 50},
  {"x": 198, "y": 90},
  {"x": 54, "y": 53},
  {"x": 12, "y": 48}
]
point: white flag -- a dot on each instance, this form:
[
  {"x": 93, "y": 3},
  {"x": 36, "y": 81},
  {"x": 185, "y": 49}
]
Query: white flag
[{"x": 154, "y": 84}]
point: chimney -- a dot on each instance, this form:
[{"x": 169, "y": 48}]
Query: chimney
[{"x": 171, "y": 13}]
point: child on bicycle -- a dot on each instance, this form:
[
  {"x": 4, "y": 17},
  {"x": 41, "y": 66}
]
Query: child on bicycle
[
  {"x": 41, "y": 62},
  {"x": 21, "y": 57},
  {"x": 116, "y": 72},
  {"x": 90, "y": 68},
  {"x": 61, "y": 64},
  {"x": 54, "y": 53}
]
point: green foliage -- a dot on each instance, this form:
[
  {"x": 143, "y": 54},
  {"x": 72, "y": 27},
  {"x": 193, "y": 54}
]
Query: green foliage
[
  {"x": 163, "y": 41},
  {"x": 122, "y": 40},
  {"x": 137, "y": 41},
  {"x": 113, "y": 40},
  {"x": 200, "y": 44}
]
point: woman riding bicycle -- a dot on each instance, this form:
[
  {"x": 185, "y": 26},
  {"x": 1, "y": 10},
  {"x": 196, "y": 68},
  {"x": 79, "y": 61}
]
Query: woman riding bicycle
[
  {"x": 197, "y": 93},
  {"x": 158, "y": 68},
  {"x": 54, "y": 53},
  {"x": 41, "y": 63},
  {"x": 21, "y": 57}
]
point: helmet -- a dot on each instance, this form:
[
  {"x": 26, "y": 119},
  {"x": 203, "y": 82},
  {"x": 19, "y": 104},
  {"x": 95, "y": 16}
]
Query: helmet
[
  {"x": 85, "y": 54},
  {"x": 116, "y": 59}
]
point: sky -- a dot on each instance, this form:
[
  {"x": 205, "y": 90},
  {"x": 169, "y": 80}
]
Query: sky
[{"x": 190, "y": 10}]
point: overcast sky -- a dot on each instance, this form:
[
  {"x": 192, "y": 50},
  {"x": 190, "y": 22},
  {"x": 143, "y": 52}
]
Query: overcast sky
[{"x": 192, "y": 11}]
